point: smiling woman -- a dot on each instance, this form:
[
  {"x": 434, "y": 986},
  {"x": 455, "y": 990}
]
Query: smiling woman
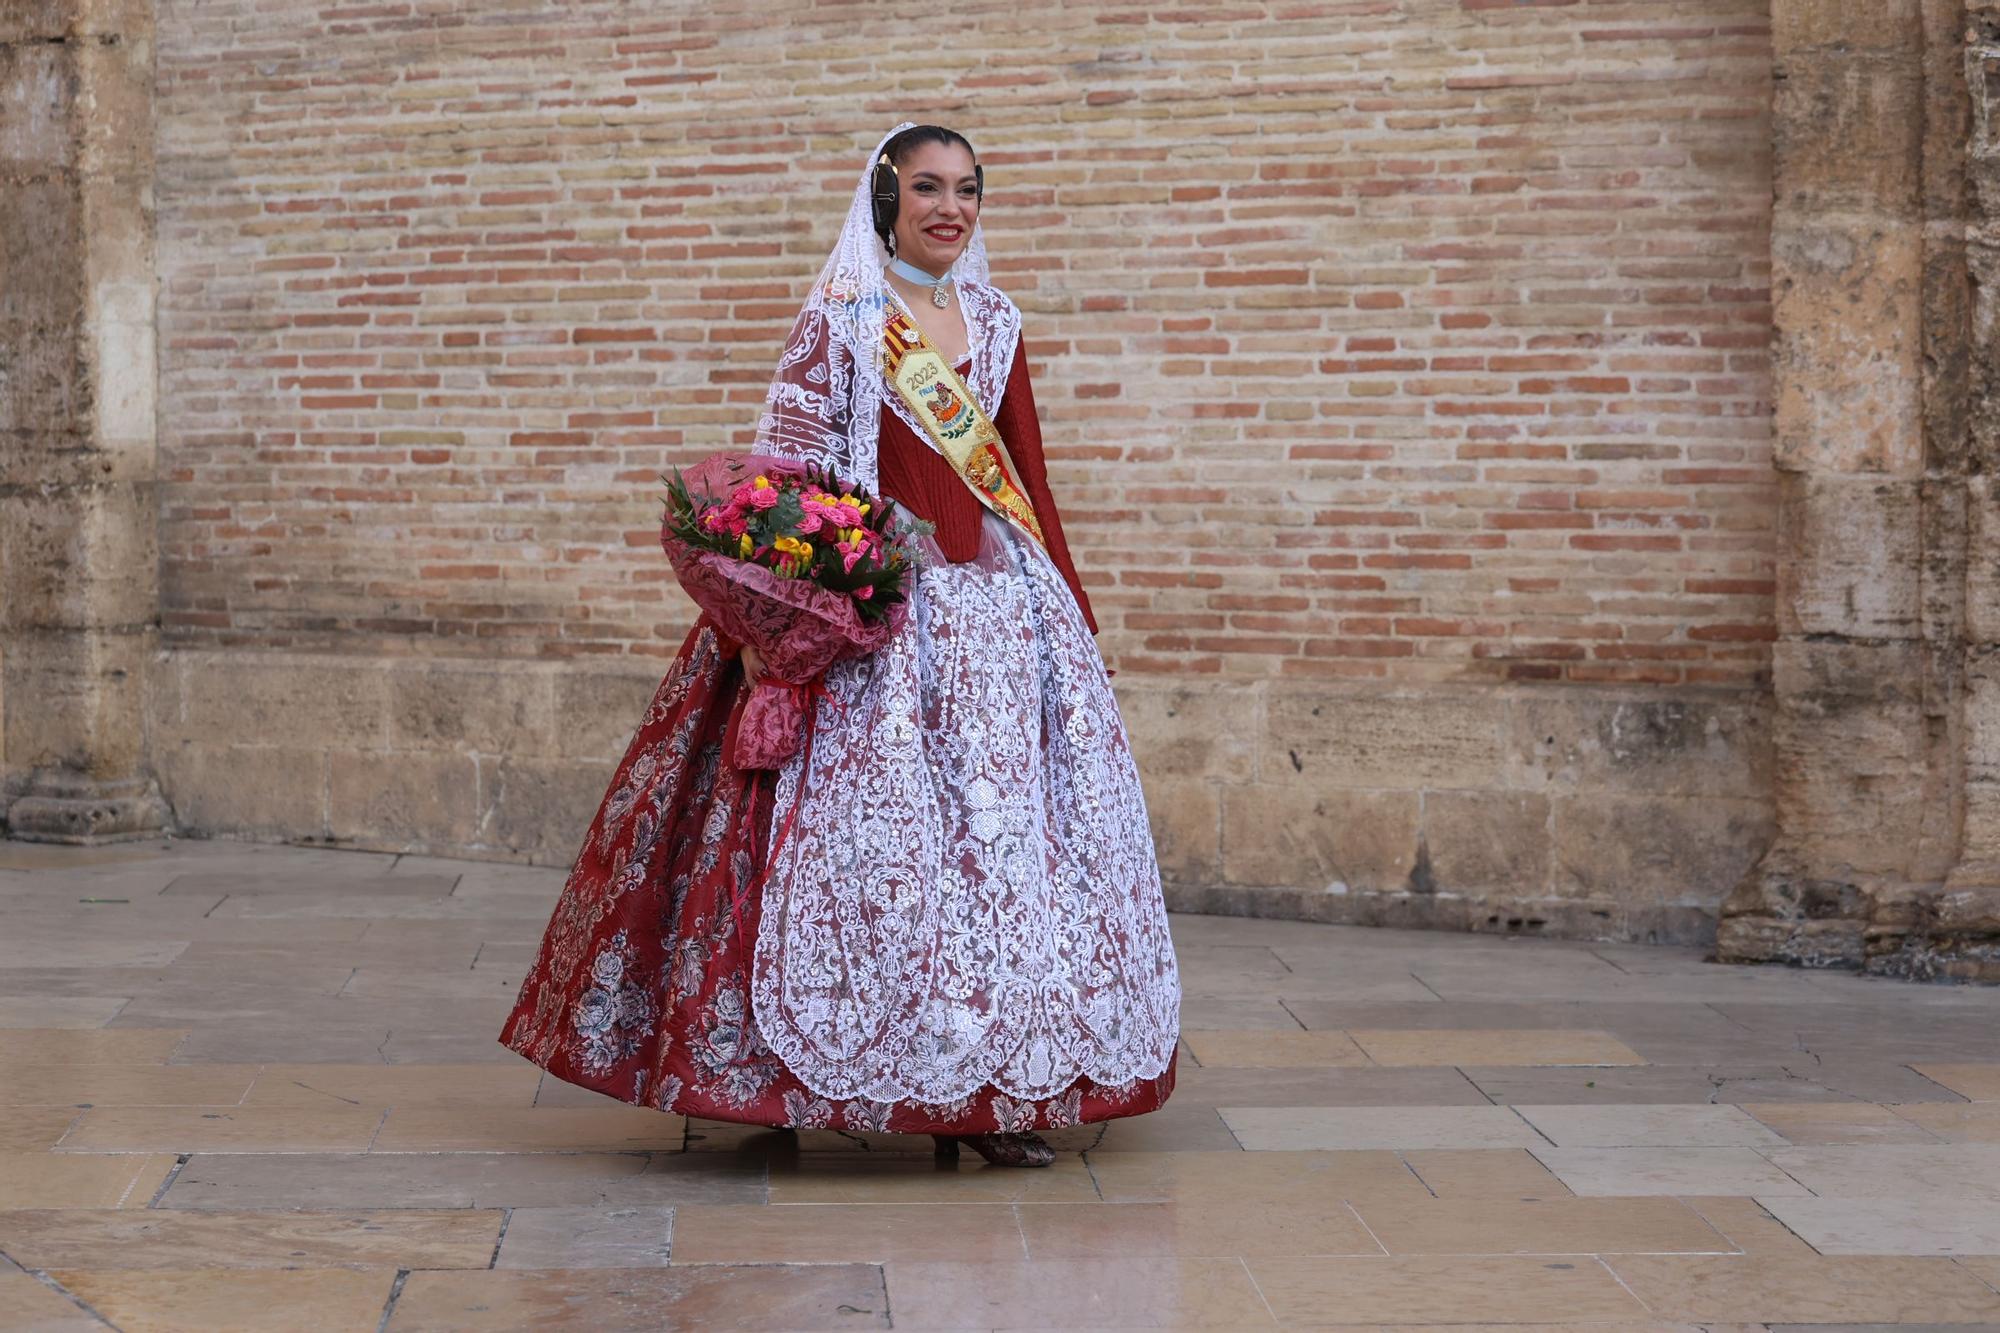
[
  {"x": 960, "y": 929},
  {"x": 928, "y": 190}
]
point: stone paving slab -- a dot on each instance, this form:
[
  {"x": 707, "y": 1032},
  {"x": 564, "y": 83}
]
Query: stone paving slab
[
  {"x": 1869, "y": 1328},
  {"x": 1296, "y": 1128},
  {"x": 1977, "y": 1083},
  {"x": 1885, "y": 1079},
  {"x": 270, "y": 958},
  {"x": 1688, "y": 1017},
  {"x": 1649, "y": 1126},
  {"x": 62, "y": 1011},
  {"x": 1483, "y": 1173},
  {"x": 89, "y": 1085},
  {"x": 1275, "y": 1177},
  {"x": 82, "y": 1180},
  {"x": 237, "y": 883},
  {"x": 1373, "y": 1128},
  {"x": 1226, "y": 1013},
  {"x": 257, "y": 1036},
  {"x": 308, "y": 1300},
  {"x": 859, "y": 1232},
  {"x": 1892, "y": 1226},
  {"x": 1636, "y": 1172},
  {"x": 1751, "y": 1289},
  {"x": 644, "y": 1300},
  {"x": 1501, "y": 1046},
  {"x": 1339, "y": 1086},
  {"x": 36, "y": 1304},
  {"x": 20, "y": 950},
  {"x": 585, "y": 1237},
  {"x": 382, "y": 982},
  {"x": 34, "y": 1128},
  {"x": 857, "y": 1178},
  {"x": 458, "y": 1180},
  {"x": 190, "y": 1129},
  {"x": 1748, "y": 1225},
  {"x": 1229, "y": 965},
  {"x": 30, "y": 1047},
  {"x": 1890, "y": 1171},
  {"x": 1580, "y": 1226},
  {"x": 433, "y": 1129},
  {"x": 1694, "y": 1083},
  {"x": 1454, "y": 1289},
  {"x": 1260, "y": 1049},
  {"x": 1134, "y": 1292},
  {"x": 1978, "y": 1122},
  {"x": 1190, "y": 1127},
  {"x": 1191, "y": 1230},
  {"x": 1819, "y": 1124},
  {"x": 159, "y": 1238},
  {"x": 401, "y": 1086},
  {"x": 405, "y": 1047}
]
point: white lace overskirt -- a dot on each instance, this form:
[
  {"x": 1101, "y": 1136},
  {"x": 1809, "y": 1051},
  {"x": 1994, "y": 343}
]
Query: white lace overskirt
[{"x": 969, "y": 892}]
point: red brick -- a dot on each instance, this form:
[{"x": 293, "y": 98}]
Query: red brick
[{"x": 1293, "y": 385}]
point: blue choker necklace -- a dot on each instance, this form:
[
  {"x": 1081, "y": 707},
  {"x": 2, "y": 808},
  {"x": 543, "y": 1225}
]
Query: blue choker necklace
[{"x": 911, "y": 273}]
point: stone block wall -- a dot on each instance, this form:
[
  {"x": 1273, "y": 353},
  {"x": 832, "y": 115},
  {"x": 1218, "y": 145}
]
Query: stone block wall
[
  {"x": 1593, "y": 813},
  {"x": 503, "y": 760},
  {"x": 1884, "y": 238}
]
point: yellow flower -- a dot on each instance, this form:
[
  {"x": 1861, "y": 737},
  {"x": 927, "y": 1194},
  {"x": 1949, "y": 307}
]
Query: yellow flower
[
  {"x": 762, "y": 483},
  {"x": 743, "y": 544}
]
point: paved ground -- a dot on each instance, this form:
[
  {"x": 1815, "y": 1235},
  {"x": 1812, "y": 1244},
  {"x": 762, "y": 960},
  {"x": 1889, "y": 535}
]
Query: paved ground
[{"x": 256, "y": 1087}]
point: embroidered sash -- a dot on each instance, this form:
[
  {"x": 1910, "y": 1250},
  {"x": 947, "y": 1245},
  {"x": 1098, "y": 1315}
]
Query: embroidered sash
[{"x": 952, "y": 418}]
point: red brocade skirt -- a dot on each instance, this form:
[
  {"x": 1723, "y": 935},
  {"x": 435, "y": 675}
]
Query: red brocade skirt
[{"x": 641, "y": 987}]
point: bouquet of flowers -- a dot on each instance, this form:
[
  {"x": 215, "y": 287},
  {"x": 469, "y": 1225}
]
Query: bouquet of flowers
[{"x": 781, "y": 556}]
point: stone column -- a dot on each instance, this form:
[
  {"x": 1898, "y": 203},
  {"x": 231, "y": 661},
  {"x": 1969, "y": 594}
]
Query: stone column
[
  {"x": 1962, "y": 924},
  {"x": 79, "y": 582},
  {"x": 1884, "y": 811}
]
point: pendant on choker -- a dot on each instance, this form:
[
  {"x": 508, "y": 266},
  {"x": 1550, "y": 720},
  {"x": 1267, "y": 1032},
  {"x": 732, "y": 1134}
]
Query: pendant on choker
[{"x": 940, "y": 293}]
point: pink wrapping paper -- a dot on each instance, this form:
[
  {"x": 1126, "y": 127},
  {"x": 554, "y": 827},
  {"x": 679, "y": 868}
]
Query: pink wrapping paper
[{"x": 797, "y": 627}]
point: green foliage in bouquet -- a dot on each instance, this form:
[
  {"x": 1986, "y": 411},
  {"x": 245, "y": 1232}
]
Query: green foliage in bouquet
[{"x": 805, "y": 527}]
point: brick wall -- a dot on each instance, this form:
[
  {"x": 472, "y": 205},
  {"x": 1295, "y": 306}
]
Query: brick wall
[
  {"x": 1404, "y": 341},
  {"x": 1403, "y": 365}
]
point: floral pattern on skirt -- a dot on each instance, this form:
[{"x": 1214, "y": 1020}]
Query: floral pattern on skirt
[{"x": 642, "y": 986}]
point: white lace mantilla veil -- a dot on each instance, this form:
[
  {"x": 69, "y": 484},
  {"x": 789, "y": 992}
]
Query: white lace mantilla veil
[
  {"x": 969, "y": 893},
  {"x": 819, "y": 407}
]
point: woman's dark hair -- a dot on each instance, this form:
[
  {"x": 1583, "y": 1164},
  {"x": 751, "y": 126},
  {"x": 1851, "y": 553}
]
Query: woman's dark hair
[
  {"x": 888, "y": 190},
  {"x": 900, "y": 147}
]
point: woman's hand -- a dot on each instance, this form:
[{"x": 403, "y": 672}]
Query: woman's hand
[{"x": 753, "y": 665}]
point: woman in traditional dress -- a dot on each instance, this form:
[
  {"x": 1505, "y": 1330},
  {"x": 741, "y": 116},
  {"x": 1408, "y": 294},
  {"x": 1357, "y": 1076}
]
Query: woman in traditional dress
[{"x": 943, "y": 915}]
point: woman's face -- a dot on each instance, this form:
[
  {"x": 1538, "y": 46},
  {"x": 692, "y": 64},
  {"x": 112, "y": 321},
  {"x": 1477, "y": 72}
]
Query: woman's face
[{"x": 938, "y": 203}]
